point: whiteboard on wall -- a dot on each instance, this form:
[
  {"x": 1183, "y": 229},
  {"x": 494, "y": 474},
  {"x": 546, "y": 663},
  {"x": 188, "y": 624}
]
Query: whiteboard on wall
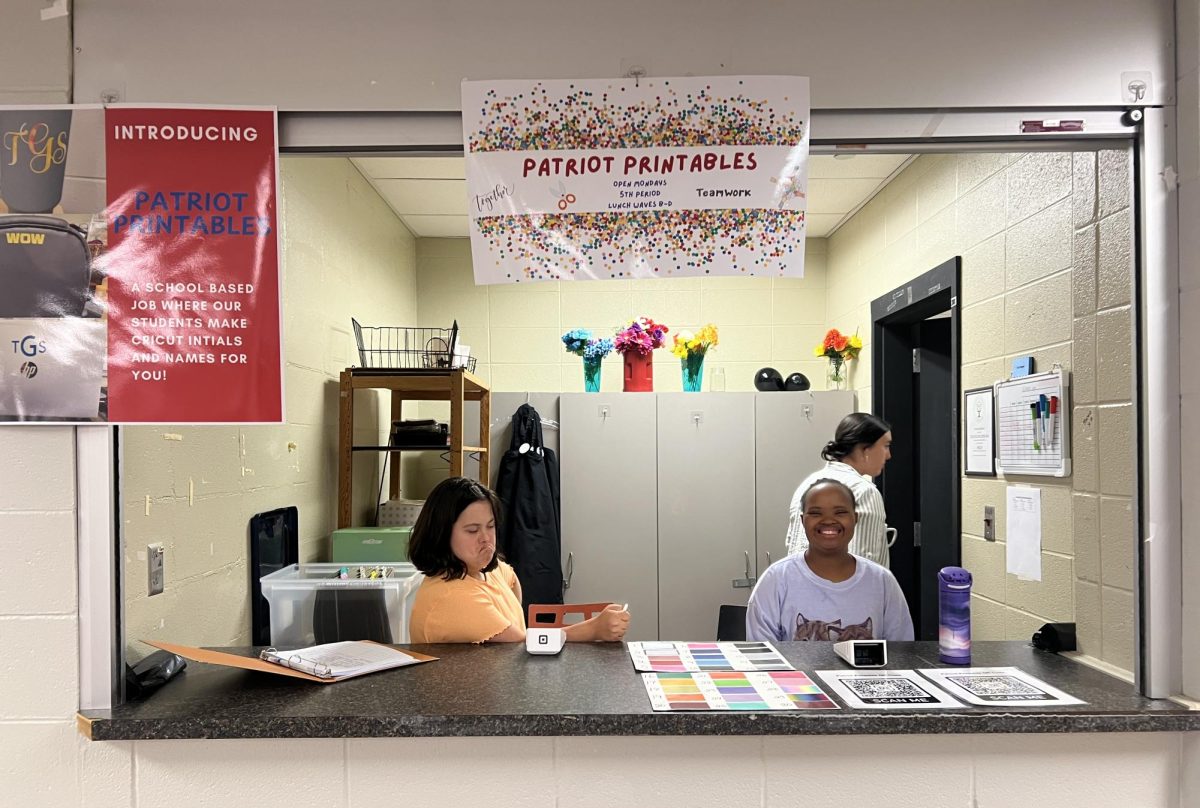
[{"x": 1023, "y": 446}]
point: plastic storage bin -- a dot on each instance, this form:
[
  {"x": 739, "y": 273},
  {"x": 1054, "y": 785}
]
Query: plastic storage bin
[{"x": 349, "y": 609}]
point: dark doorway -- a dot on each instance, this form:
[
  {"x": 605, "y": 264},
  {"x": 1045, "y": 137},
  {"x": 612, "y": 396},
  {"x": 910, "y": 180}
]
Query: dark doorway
[{"x": 915, "y": 388}]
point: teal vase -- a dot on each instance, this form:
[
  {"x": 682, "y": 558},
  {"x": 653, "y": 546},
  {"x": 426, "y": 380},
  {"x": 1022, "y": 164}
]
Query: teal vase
[
  {"x": 591, "y": 375},
  {"x": 693, "y": 372}
]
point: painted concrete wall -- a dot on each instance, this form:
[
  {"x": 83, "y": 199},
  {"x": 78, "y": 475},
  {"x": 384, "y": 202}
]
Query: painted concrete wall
[
  {"x": 516, "y": 330},
  {"x": 375, "y": 54},
  {"x": 1047, "y": 272}
]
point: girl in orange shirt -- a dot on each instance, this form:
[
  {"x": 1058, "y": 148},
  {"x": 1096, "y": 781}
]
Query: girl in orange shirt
[{"x": 469, "y": 594}]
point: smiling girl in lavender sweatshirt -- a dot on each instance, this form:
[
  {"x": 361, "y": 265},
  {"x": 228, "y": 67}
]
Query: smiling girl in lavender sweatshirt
[{"x": 827, "y": 593}]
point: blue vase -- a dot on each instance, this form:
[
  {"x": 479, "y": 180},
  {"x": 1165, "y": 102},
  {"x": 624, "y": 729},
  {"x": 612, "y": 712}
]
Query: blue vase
[
  {"x": 693, "y": 372},
  {"x": 591, "y": 375}
]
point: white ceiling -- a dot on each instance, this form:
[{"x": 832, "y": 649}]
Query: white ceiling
[{"x": 429, "y": 193}]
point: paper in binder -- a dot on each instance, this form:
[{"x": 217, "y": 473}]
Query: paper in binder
[
  {"x": 340, "y": 660},
  {"x": 334, "y": 661}
]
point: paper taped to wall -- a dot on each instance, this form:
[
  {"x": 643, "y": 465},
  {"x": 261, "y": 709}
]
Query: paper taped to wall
[{"x": 1024, "y": 550}]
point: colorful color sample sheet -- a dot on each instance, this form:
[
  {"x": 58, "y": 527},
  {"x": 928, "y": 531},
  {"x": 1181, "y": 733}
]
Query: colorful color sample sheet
[
  {"x": 733, "y": 690},
  {"x": 886, "y": 690},
  {"x": 707, "y": 656},
  {"x": 1008, "y": 686}
]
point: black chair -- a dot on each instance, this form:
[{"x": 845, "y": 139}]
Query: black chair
[{"x": 731, "y": 623}]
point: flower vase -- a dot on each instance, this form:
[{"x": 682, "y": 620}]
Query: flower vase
[
  {"x": 639, "y": 372},
  {"x": 591, "y": 375},
  {"x": 835, "y": 378},
  {"x": 693, "y": 372}
]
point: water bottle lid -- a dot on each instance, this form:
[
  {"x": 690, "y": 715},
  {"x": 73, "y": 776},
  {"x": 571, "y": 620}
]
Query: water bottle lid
[{"x": 954, "y": 577}]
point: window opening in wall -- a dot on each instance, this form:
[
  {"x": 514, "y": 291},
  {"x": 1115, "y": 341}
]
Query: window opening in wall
[{"x": 1044, "y": 241}]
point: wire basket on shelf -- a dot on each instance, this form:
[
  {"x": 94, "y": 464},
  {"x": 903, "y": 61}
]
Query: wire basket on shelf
[{"x": 409, "y": 348}]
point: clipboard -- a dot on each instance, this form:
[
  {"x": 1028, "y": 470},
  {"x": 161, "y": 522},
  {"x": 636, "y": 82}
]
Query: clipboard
[{"x": 212, "y": 657}]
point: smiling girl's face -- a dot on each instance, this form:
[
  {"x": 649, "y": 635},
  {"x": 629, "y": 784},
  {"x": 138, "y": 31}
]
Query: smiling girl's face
[
  {"x": 829, "y": 518},
  {"x": 473, "y": 537}
]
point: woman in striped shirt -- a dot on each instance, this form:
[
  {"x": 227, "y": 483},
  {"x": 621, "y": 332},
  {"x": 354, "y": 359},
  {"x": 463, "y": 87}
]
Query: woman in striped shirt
[{"x": 859, "y": 449}]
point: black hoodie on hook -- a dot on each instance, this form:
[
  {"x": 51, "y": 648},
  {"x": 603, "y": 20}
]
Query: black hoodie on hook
[{"x": 531, "y": 525}]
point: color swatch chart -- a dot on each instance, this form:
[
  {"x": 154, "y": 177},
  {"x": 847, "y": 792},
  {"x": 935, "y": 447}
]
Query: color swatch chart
[
  {"x": 735, "y": 690},
  {"x": 678, "y": 657}
]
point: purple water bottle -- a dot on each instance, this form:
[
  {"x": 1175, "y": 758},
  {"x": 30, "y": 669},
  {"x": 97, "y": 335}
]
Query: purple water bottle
[{"x": 954, "y": 616}]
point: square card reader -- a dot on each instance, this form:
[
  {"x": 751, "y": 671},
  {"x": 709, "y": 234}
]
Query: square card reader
[
  {"x": 545, "y": 640},
  {"x": 862, "y": 653}
]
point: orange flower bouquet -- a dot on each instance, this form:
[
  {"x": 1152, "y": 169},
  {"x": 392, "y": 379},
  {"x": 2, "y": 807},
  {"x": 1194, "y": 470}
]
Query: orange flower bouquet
[{"x": 838, "y": 349}]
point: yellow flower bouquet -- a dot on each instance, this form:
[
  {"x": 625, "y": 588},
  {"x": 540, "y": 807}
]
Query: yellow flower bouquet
[{"x": 691, "y": 349}]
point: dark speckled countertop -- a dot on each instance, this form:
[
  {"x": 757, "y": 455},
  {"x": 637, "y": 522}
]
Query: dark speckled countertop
[{"x": 591, "y": 689}]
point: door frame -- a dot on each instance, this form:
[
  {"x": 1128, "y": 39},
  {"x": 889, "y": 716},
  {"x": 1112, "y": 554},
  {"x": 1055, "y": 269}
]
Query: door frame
[{"x": 892, "y": 368}]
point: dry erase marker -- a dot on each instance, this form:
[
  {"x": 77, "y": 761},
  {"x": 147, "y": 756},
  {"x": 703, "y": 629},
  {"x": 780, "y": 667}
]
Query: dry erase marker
[
  {"x": 1053, "y": 413},
  {"x": 1033, "y": 412},
  {"x": 1043, "y": 415}
]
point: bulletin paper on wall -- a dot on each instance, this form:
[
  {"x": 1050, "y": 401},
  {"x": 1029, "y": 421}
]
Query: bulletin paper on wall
[
  {"x": 706, "y": 656},
  {"x": 139, "y": 277},
  {"x": 731, "y": 690},
  {"x": 998, "y": 686},
  {"x": 648, "y": 178},
  {"x": 1023, "y": 548}
]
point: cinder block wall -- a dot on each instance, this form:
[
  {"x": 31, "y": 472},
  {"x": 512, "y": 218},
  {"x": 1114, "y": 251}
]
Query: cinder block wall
[
  {"x": 344, "y": 254},
  {"x": 1047, "y": 271},
  {"x": 516, "y": 330}
]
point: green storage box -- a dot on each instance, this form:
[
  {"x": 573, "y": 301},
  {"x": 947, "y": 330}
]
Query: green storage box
[{"x": 361, "y": 545}]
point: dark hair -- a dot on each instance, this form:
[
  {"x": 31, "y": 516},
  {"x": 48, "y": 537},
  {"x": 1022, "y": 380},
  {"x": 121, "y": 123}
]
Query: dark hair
[
  {"x": 856, "y": 429},
  {"x": 826, "y": 481},
  {"x": 429, "y": 547}
]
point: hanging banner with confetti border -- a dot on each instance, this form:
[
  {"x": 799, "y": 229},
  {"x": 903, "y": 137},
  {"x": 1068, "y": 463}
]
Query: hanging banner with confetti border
[{"x": 598, "y": 179}]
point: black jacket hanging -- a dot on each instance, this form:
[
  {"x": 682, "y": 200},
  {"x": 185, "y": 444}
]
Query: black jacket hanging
[{"x": 531, "y": 527}]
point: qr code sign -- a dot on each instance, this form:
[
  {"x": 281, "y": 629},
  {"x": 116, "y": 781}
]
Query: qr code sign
[
  {"x": 871, "y": 689},
  {"x": 998, "y": 687}
]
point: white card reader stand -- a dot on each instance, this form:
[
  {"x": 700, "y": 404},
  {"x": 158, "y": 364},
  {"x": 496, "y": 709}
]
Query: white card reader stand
[
  {"x": 862, "y": 653},
  {"x": 545, "y": 640}
]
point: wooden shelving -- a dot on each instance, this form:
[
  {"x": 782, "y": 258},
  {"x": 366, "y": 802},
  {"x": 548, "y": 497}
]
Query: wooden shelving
[{"x": 455, "y": 386}]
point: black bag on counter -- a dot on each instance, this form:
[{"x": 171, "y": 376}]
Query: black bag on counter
[
  {"x": 531, "y": 526},
  {"x": 44, "y": 267}
]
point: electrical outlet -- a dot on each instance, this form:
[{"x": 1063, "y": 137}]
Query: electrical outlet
[{"x": 155, "y": 575}]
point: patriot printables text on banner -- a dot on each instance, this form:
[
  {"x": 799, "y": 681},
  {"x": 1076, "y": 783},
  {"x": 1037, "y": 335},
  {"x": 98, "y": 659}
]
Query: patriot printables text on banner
[{"x": 663, "y": 177}]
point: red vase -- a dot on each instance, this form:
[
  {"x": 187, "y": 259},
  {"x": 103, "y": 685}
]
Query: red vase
[{"x": 639, "y": 372}]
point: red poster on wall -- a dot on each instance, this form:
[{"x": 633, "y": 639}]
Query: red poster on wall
[{"x": 192, "y": 266}]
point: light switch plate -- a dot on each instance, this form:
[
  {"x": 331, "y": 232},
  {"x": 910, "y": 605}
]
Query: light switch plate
[
  {"x": 154, "y": 566},
  {"x": 989, "y": 522}
]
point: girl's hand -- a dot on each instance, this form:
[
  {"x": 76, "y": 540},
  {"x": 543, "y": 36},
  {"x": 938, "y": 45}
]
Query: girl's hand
[{"x": 611, "y": 624}]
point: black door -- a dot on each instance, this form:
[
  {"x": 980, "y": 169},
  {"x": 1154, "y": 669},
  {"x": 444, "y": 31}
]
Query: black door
[{"x": 915, "y": 389}]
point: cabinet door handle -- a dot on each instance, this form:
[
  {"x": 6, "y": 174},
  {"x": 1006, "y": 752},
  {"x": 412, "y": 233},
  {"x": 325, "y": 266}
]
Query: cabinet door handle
[
  {"x": 748, "y": 581},
  {"x": 570, "y": 571},
  {"x": 768, "y": 558}
]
